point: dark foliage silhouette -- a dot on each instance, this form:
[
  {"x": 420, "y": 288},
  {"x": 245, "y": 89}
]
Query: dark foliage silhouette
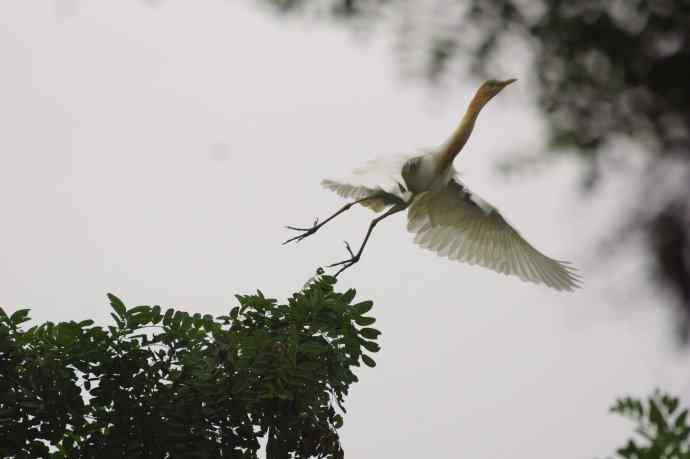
[{"x": 172, "y": 384}]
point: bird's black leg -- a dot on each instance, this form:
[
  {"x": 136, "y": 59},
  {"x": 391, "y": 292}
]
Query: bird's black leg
[
  {"x": 315, "y": 227},
  {"x": 354, "y": 257}
]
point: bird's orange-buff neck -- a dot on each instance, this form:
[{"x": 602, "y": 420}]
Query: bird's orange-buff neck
[{"x": 460, "y": 136}]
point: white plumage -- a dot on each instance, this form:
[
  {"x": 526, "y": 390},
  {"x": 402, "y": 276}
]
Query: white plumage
[
  {"x": 459, "y": 225},
  {"x": 443, "y": 214},
  {"x": 451, "y": 223}
]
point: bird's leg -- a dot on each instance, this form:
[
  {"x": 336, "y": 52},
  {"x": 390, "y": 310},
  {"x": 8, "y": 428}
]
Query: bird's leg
[
  {"x": 354, "y": 257},
  {"x": 315, "y": 227}
]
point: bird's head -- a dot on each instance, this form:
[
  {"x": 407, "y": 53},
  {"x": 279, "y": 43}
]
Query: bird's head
[{"x": 490, "y": 88}]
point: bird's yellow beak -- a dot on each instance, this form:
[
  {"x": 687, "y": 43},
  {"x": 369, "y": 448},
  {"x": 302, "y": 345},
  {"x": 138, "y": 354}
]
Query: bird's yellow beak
[{"x": 507, "y": 82}]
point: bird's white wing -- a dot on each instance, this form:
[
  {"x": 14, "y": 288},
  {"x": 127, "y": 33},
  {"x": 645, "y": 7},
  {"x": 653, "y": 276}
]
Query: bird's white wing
[
  {"x": 381, "y": 177},
  {"x": 388, "y": 167},
  {"x": 461, "y": 226},
  {"x": 379, "y": 198}
]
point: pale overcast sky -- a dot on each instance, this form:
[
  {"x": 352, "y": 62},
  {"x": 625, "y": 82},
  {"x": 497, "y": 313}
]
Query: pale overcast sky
[{"x": 156, "y": 150}]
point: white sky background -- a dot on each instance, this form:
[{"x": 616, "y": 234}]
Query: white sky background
[{"x": 157, "y": 153}]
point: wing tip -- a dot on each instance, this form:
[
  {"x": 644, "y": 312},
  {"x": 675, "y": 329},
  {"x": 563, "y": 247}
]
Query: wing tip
[{"x": 327, "y": 183}]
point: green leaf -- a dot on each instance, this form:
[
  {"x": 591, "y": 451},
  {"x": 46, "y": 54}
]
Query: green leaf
[
  {"x": 684, "y": 434},
  {"x": 66, "y": 333},
  {"x": 38, "y": 449},
  {"x": 309, "y": 366},
  {"x": 168, "y": 316},
  {"x": 239, "y": 384},
  {"x": 364, "y": 321},
  {"x": 138, "y": 310},
  {"x": 330, "y": 280},
  {"x": 117, "y": 305},
  {"x": 368, "y": 361},
  {"x": 186, "y": 322},
  {"x": 680, "y": 420},
  {"x": 208, "y": 322},
  {"x": 196, "y": 319},
  {"x": 117, "y": 320},
  {"x": 67, "y": 443},
  {"x": 627, "y": 407},
  {"x": 348, "y": 296},
  {"x": 362, "y": 308},
  {"x": 370, "y": 346},
  {"x": 156, "y": 316},
  {"x": 629, "y": 451},
  {"x": 369, "y": 333},
  {"x": 313, "y": 348},
  {"x": 31, "y": 404},
  {"x": 671, "y": 403},
  {"x": 656, "y": 417},
  {"x": 136, "y": 320},
  {"x": 19, "y": 316}
]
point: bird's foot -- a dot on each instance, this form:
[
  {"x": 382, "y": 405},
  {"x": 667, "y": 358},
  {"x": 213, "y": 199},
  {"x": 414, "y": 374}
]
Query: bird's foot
[
  {"x": 305, "y": 232},
  {"x": 354, "y": 258}
]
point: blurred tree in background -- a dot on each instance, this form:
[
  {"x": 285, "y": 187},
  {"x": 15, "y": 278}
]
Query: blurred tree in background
[
  {"x": 170, "y": 384},
  {"x": 661, "y": 427},
  {"x": 604, "y": 71}
]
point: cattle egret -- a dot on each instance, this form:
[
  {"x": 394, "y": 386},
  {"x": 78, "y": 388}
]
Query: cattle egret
[{"x": 445, "y": 216}]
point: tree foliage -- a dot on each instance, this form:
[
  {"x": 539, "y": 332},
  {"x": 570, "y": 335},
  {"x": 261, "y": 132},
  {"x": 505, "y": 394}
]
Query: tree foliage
[
  {"x": 166, "y": 383},
  {"x": 662, "y": 428},
  {"x": 604, "y": 70}
]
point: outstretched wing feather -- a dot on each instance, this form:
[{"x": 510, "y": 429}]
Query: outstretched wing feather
[{"x": 461, "y": 226}]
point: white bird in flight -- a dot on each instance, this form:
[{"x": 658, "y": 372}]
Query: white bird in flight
[{"x": 444, "y": 215}]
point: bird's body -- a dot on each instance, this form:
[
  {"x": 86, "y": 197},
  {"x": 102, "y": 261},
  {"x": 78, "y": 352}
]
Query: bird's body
[
  {"x": 443, "y": 214},
  {"x": 425, "y": 173}
]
